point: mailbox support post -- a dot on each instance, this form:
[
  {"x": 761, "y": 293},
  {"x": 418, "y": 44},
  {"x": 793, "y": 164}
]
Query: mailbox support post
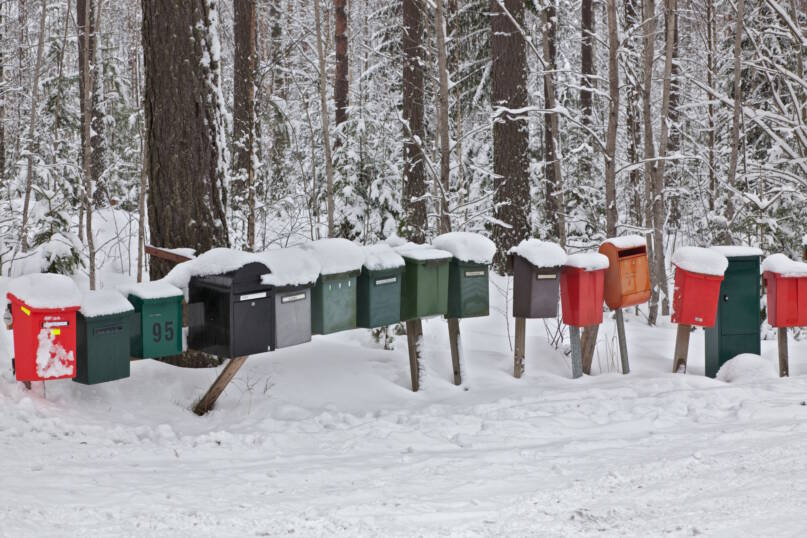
[
  {"x": 588, "y": 344},
  {"x": 519, "y": 350},
  {"x": 623, "y": 344},
  {"x": 577, "y": 351},
  {"x": 414, "y": 335},
  {"x": 681, "y": 349},
  {"x": 456, "y": 348},
  {"x": 207, "y": 401},
  {"x": 784, "y": 368}
]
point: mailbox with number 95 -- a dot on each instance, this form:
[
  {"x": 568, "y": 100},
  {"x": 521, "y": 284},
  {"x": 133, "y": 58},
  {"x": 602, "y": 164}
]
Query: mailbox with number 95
[{"x": 158, "y": 319}]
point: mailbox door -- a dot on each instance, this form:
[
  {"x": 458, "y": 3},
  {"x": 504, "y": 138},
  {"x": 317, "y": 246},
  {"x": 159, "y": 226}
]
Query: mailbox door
[
  {"x": 783, "y": 296},
  {"x": 737, "y": 325},
  {"x": 468, "y": 290},
  {"x": 582, "y": 296},
  {"x": 213, "y": 335},
  {"x": 252, "y": 324},
  {"x": 425, "y": 289},
  {"x": 634, "y": 274},
  {"x": 802, "y": 303},
  {"x": 379, "y": 297},
  {"x": 161, "y": 327},
  {"x": 292, "y": 317},
  {"x": 102, "y": 352},
  {"x": 536, "y": 290},
  {"x": 334, "y": 304},
  {"x": 695, "y": 298},
  {"x": 54, "y": 328}
]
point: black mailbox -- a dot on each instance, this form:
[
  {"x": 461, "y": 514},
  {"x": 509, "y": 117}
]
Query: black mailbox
[{"x": 238, "y": 312}]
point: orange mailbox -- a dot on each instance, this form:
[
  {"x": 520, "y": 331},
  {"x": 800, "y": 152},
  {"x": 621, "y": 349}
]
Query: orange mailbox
[{"x": 627, "y": 279}]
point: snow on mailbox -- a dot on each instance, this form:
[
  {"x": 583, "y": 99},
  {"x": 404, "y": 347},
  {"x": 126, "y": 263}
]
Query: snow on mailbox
[
  {"x": 582, "y": 283},
  {"x": 334, "y": 299},
  {"x": 698, "y": 274},
  {"x": 379, "y": 293},
  {"x": 627, "y": 280},
  {"x": 468, "y": 286},
  {"x": 103, "y": 341},
  {"x": 292, "y": 275},
  {"x": 536, "y": 278},
  {"x": 424, "y": 292},
  {"x": 43, "y": 312},
  {"x": 786, "y": 283},
  {"x": 157, "y": 331}
]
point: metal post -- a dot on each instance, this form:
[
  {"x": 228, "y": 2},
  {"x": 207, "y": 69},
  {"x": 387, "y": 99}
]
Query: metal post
[
  {"x": 577, "y": 351},
  {"x": 518, "y": 355},
  {"x": 454, "y": 344},
  {"x": 784, "y": 368},
  {"x": 681, "y": 349},
  {"x": 623, "y": 344}
]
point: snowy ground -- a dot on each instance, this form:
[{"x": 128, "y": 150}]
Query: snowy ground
[{"x": 326, "y": 439}]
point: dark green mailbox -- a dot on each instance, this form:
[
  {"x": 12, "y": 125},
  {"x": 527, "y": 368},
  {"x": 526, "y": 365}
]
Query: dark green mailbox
[
  {"x": 737, "y": 325},
  {"x": 103, "y": 337},
  {"x": 379, "y": 292},
  {"x": 333, "y": 298},
  {"x": 424, "y": 291},
  {"x": 468, "y": 293},
  {"x": 157, "y": 331}
]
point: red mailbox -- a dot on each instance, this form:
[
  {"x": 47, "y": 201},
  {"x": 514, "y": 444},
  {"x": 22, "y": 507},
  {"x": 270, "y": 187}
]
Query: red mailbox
[
  {"x": 582, "y": 285},
  {"x": 786, "y": 284},
  {"x": 695, "y": 298},
  {"x": 43, "y": 313}
]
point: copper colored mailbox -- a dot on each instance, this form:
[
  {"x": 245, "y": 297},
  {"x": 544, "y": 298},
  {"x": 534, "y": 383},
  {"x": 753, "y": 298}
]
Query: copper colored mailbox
[{"x": 627, "y": 279}]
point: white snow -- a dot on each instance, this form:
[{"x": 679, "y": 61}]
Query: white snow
[
  {"x": 327, "y": 439},
  {"x": 52, "y": 359},
  {"x": 290, "y": 266},
  {"x": 736, "y": 251},
  {"x": 213, "y": 262},
  {"x": 590, "y": 261},
  {"x": 158, "y": 289},
  {"x": 182, "y": 251},
  {"x": 381, "y": 256},
  {"x": 46, "y": 290},
  {"x": 467, "y": 246},
  {"x": 540, "y": 253},
  {"x": 705, "y": 261},
  {"x": 336, "y": 255},
  {"x": 782, "y": 265},
  {"x": 417, "y": 252},
  {"x": 104, "y": 303},
  {"x": 627, "y": 241},
  {"x": 746, "y": 368}
]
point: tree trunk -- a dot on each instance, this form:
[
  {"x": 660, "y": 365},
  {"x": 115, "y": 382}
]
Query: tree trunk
[
  {"x": 187, "y": 166},
  {"x": 445, "y": 155},
  {"x": 649, "y": 34},
  {"x": 632, "y": 114},
  {"x": 510, "y": 129},
  {"x": 611, "y": 212},
  {"x": 672, "y": 179},
  {"x": 323, "y": 102},
  {"x": 29, "y": 173},
  {"x": 244, "y": 68},
  {"x": 88, "y": 63},
  {"x": 414, "y": 183},
  {"x": 735, "y": 125},
  {"x": 554, "y": 179},
  {"x": 2, "y": 106},
  {"x": 710, "y": 72},
  {"x": 340, "y": 82},
  {"x": 587, "y": 37}
]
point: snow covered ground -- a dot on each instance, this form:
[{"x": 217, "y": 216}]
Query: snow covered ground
[{"x": 326, "y": 439}]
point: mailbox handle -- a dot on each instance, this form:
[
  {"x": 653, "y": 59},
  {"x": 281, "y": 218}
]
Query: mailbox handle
[{"x": 725, "y": 297}]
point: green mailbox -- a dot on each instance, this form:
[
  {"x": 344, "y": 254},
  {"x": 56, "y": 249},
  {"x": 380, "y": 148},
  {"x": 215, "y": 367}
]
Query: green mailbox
[
  {"x": 157, "y": 330},
  {"x": 103, "y": 337},
  {"x": 424, "y": 290},
  {"x": 379, "y": 292},
  {"x": 468, "y": 287},
  {"x": 334, "y": 297},
  {"x": 737, "y": 325}
]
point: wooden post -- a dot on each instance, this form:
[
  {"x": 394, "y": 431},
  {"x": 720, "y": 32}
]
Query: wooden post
[
  {"x": 209, "y": 399},
  {"x": 623, "y": 344},
  {"x": 456, "y": 349},
  {"x": 784, "y": 368},
  {"x": 589, "y": 344},
  {"x": 681, "y": 349},
  {"x": 518, "y": 355},
  {"x": 577, "y": 351},
  {"x": 165, "y": 254},
  {"x": 414, "y": 333}
]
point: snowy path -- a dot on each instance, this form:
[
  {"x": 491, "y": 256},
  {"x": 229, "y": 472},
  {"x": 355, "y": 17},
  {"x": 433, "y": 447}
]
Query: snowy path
[{"x": 326, "y": 439}]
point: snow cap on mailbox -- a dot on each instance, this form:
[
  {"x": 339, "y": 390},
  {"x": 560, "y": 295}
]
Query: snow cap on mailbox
[
  {"x": 291, "y": 266},
  {"x": 46, "y": 291},
  {"x": 540, "y": 253},
  {"x": 467, "y": 247},
  {"x": 336, "y": 255},
  {"x": 705, "y": 261},
  {"x": 784, "y": 266}
]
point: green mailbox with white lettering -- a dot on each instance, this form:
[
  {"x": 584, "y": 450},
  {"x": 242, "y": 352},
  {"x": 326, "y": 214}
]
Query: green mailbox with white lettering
[
  {"x": 468, "y": 290},
  {"x": 157, "y": 330}
]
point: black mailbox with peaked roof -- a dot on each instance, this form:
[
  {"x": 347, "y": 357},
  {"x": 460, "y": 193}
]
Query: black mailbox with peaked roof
[{"x": 238, "y": 312}]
